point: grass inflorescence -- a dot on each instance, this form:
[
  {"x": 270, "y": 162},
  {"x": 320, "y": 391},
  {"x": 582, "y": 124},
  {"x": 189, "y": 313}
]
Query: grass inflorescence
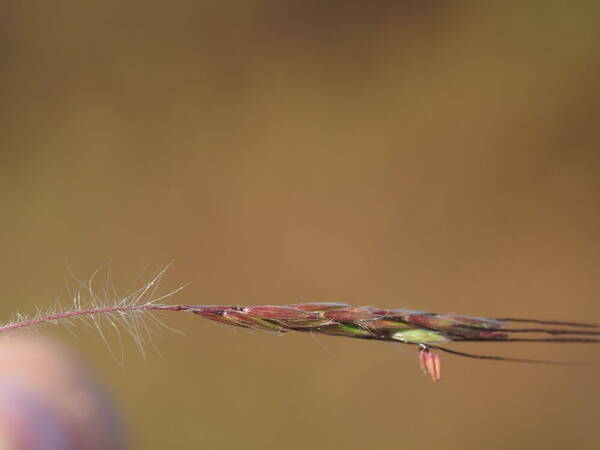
[{"x": 428, "y": 331}]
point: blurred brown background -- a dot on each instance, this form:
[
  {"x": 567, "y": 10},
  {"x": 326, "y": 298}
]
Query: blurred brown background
[{"x": 429, "y": 155}]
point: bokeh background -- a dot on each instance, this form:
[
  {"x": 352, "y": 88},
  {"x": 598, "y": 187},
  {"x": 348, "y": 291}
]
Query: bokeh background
[{"x": 430, "y": 155}]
